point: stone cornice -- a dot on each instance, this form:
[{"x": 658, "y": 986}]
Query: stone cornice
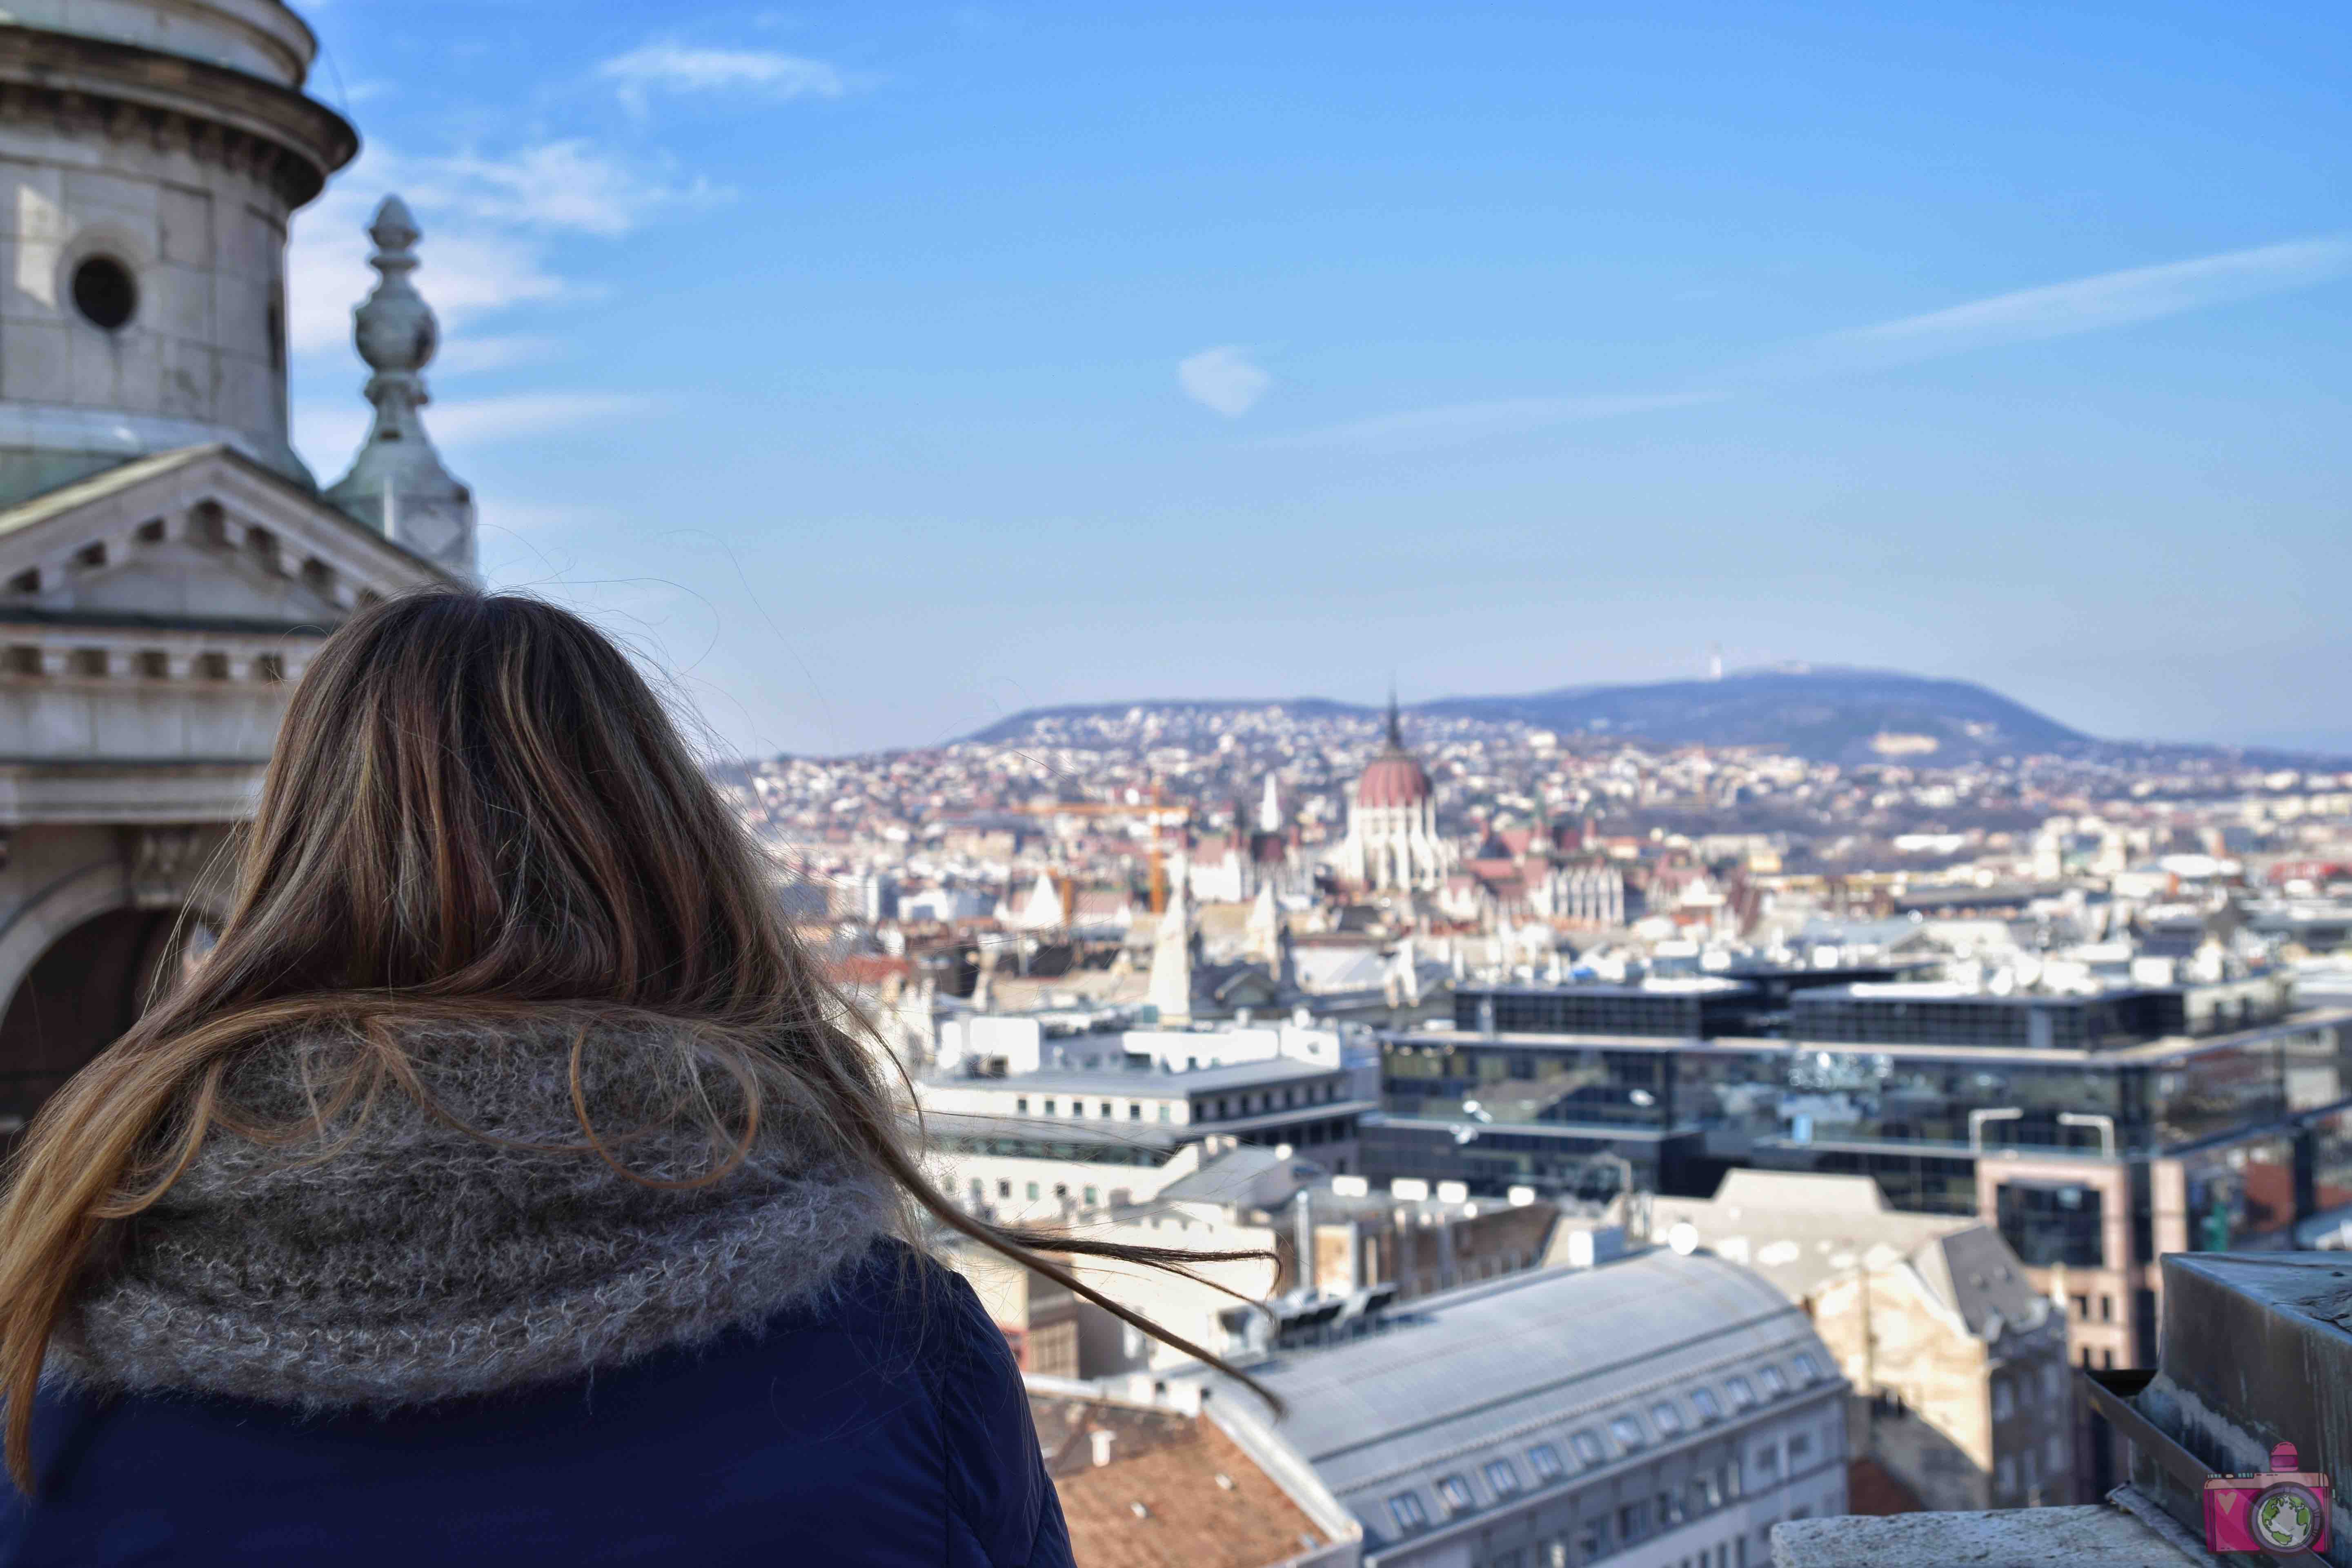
[{"x": 99, "y": 86}]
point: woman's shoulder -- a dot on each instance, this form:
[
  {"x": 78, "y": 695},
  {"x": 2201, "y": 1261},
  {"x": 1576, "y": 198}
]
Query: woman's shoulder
[{"x": 904, "y": 1299}]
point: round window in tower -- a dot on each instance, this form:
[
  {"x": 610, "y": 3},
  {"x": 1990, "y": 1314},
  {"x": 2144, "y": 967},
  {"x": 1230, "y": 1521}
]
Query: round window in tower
[{"x": 105, "y": 292}]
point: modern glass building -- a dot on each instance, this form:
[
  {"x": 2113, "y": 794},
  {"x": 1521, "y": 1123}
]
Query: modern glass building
[{"x": 2097, "y": 1131}]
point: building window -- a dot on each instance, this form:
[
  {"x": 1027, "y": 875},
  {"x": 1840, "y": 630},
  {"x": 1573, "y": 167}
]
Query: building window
[
  {"x": 1005, "y": 1189},
  {"x": 2050, "y": 1223},
  {"x": 1588, "y": 1449},
  {"x": 2049, "y": 1382},
  {"x": 1105, "y": 1108},
  {"x": 2057, "y": 1447},
  {"x": 1546, "y": 1460},
  {"x": 1020, "y": 1105},
  {"x": 1135, "y": 1112},
  {"x": 1634, "y": 1523},
  {"x": 1592, "y": 1538},
  {"x": 1742, "y": 1396},
  {"x": 2107, "y": 1309},
  {"x": 2002, "y": 1406},
  {"x": 1628, "y": 1431},
  {"x": 2007, "y": 1474},
  {"x": 1768, "y": 1460},
  {"x": 1670, "y": 1510},
  {"x": 1501, "y": 1478},
  {"x": 1707, "y": 1492},
  {"x": 1709, "y": 1407},
  {"x": 1455, "y": 1492},
  {"x": 1163, "y": 1110},
  {"x": 1406, "y": 1509},
  {"x": 1032, "y": 1192},
  {"x": 1775, "y": 1383},
  {"x": 1732, "y": 1480},
  {"x": 1669, "y": 1419},
  {"x": 105, "y": 293},
  {"x": 1800, "y": 1444},
  {"x": 979, "y": 1193},
  {"x": 1091, "y": 1199},
  {"x": 1050, "y": 1109}
]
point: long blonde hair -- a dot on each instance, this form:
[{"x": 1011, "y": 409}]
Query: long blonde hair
[{"x": 477, "y": 809}]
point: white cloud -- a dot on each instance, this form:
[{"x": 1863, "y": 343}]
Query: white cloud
[
  {"x": 329, "y": 434},
  {"x": 2064, "y": 310},
  {"x": 563, "y": 186},
  {"x": 2025, "y": 315},
  {"x": 468, "y": 269},
  {"x": 488, "y": 225},
  {"x": 680, "y": 68},
  {"x": 470, "y": 351},
  {"x": 1475, "y": 421},
  {"x": 486, "y": 419},
  {"x": 1223, "y": 379}
]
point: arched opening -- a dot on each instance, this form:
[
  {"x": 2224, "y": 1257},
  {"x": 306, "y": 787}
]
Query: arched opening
[{"x": 91, "y": 985}]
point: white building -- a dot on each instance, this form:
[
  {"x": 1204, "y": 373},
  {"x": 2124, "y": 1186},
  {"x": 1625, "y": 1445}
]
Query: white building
[
  {"x": 168, "y": 565},
  {"x": 1392, "y": 840},
  {"x": 1652, "y": 1412},
  {"x": 1064, "y": 1142}
]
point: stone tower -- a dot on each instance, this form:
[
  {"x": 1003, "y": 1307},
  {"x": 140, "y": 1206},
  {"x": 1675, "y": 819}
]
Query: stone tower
[
  {"x": 397, "y": 485},
  {"x": 167, "y": 566},
  {"x": 151, "y": 154}
]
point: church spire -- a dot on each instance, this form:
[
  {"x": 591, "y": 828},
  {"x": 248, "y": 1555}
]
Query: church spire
[
  {"x": 1396, "y": 721},
  {"x": 397, "y": 484}
]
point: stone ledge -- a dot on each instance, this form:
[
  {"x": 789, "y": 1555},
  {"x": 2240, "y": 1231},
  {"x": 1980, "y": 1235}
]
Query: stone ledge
[{"x": 2100, "y": 1535}]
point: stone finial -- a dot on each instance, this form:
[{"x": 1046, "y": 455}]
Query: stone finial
[{"x": 397, "y": 485}]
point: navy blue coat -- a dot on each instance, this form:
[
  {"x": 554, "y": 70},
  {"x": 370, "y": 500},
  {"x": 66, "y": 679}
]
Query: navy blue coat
[{"x": 879, "y": 1430}]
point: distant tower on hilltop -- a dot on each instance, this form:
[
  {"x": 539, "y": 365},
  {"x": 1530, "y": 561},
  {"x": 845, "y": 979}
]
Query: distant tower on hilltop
[
  {"x": 1392, "y": 840},
  {"x": 397, "y": 485}
]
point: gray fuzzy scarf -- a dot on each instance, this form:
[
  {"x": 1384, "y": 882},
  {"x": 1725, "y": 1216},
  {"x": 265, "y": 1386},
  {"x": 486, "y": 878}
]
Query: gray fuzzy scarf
[{"x": 422, "y": 1263}]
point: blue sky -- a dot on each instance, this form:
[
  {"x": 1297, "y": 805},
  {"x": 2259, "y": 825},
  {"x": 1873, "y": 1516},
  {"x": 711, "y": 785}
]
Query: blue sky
[{"x": 883, "y": 369}]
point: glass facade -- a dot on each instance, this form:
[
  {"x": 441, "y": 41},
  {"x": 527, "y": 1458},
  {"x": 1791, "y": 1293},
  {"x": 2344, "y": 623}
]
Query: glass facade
[
  {"x": 2049, "y": 1223},
  {"x": 1497, "y": 1082},
  {"x": 1497, "y": 1111},
  {"x": 1054, "y": 1149},
  {"x": 2038, "y": 1023},
  {"x": 2242, "y": 1198}
]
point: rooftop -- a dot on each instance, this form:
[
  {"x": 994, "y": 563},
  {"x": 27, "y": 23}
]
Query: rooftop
[
  {"x": 1801, "y": 1230},
  {"x": 1142, "y": 1081},
  {"x": 1148, "y": 1488},
  {"x": 1487, "y": 1372}
]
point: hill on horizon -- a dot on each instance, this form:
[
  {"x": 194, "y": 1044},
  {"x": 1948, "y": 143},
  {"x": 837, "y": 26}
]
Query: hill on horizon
[{"x": 1823, "y": 713}]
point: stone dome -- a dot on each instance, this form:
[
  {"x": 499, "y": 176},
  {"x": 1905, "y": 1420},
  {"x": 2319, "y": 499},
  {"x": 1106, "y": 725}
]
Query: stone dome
[
  {"x": 157, "y": 150},
  {"x": 1394, "y": 777}
]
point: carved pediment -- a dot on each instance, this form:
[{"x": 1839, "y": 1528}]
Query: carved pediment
[
  {"x": 198, "y": 537},
  {"x": 151, "y": 620}
]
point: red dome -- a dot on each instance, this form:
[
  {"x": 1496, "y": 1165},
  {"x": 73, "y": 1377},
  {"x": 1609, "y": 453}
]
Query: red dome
[{"x": 1393, "y": 778}]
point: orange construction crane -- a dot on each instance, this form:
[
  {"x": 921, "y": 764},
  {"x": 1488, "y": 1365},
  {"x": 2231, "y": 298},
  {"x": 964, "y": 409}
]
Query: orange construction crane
[{"x": 1159, "y": 816}]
